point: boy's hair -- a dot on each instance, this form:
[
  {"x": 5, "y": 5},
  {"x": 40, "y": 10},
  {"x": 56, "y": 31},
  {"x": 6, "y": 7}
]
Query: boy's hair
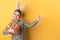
[{"x": 18, "y": 10}]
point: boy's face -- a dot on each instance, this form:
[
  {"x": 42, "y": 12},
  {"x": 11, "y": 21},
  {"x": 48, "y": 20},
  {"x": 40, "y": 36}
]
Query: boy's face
[{"x": 16, "y": 15}]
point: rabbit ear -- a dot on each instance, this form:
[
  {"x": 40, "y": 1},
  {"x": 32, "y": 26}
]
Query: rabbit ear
[
  {"x": 23, "y": 6},
  {"x": 17, "y": 5}
]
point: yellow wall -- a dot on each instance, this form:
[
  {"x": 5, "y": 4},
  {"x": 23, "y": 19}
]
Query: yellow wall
[{"x": 47, "y": 29}]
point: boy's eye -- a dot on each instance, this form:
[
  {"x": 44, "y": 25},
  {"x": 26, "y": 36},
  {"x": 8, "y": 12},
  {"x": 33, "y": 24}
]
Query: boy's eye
[{"x": 17, "y": 15}]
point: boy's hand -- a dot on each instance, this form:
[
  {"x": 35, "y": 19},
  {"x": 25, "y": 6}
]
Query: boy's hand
[
  {"x": 11, "y": 30},
  {"x": 39, "y": 18}
]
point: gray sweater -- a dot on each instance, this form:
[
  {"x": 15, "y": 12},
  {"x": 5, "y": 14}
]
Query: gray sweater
[{"x": 23, "y": 24}]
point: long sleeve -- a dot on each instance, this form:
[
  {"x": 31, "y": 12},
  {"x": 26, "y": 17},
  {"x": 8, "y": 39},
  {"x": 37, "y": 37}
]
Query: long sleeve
[
  {"x": 30, "y": 24},
  {"x": 5, "y": 32}
]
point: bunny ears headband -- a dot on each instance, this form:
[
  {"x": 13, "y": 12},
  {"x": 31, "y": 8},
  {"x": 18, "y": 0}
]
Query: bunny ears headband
[{"x": 18, "y": 4}]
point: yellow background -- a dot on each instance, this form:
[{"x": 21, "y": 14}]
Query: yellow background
[{"x": 47, "y": 29}]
